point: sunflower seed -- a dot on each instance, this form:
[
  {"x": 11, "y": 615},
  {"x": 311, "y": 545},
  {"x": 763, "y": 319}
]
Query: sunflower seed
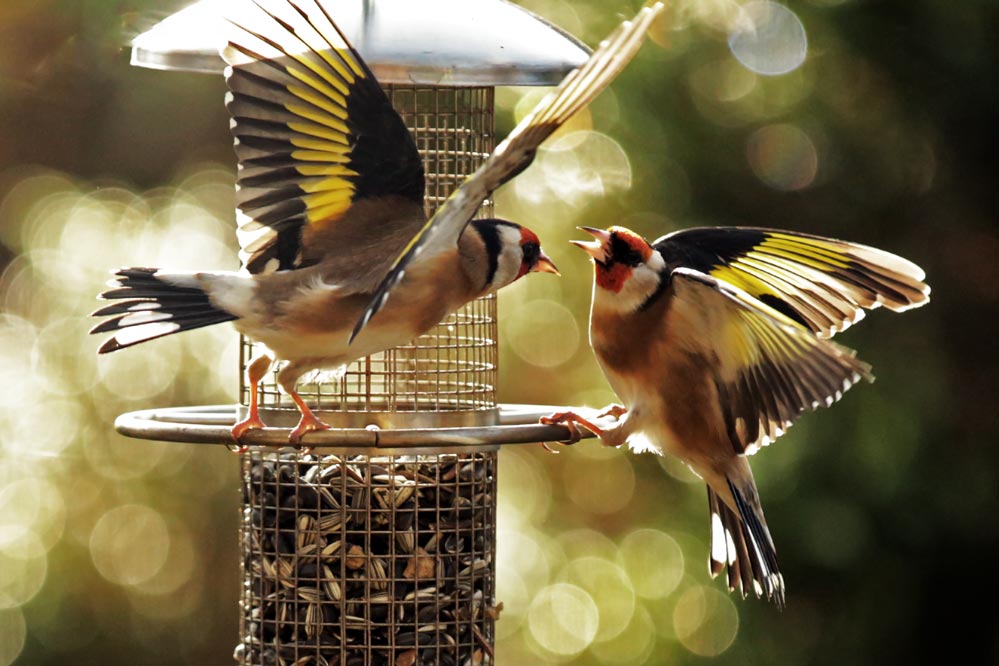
[
  {"x": 313, "y": 620},
  {"x": 331, "y": 585},
  {"x": 345, "y": 556}
]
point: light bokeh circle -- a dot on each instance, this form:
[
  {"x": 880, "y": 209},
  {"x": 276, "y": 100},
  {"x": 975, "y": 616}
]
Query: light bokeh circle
[
  {"x": 783, "y": 156},
  {"x": 653, "y": 561},
  {"x": 609, "y": 587},
  {"x": 129, "y": 544},
  {"x": 601, "y": 486},
  {"x": 633, "y": 646},
  {"x": 515, "y": 597},
  {"x": 563, "y": 619},
  {"x": 768, "y": 39},
  {"x": 13, "y": 632},
  {"x": 525, "y": 487},
  {"x": 705, "y": 621},
  {"x": 23, "y": 566},
  {"x": 544, "y": 351},
  {"x": 34, "y": 503}
]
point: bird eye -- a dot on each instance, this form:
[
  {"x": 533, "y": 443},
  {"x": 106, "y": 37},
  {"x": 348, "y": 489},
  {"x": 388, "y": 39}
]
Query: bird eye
[
  {"x": 532, "y": 252},
  {"x": 622, "y": 252}
]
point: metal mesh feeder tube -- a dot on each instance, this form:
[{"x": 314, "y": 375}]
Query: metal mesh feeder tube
[
  {"x": 378, "y": 548},
  {"x": 368, "y": 559},
  {"x": 448, "y": 375}
]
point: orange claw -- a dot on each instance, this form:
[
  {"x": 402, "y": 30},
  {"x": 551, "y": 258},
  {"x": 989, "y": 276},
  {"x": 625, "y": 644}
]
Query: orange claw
[
  {"x": 569, "y": 420},
  {"x": 614, "y": 410},
  {"x": 251, "y": 422},
  {"x": 574, "y": 435},
  {"x": 306, "y": 424}
]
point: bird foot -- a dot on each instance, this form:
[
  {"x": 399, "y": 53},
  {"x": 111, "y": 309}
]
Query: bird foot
[
  {"x": 614, "y": 411},
  {"x": 308, "y": 423},
  {"x": 570, "y": 421},
  {"x": 251, "y": 422}
]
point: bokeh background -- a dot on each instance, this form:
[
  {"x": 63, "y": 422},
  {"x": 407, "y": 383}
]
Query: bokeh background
[{"x": 868, "y": 120}]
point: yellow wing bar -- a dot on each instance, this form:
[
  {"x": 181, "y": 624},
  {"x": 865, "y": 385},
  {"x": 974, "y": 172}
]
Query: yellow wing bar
[
  {"x": 823, "y": 283},
  {"x": 313, "y": 130}
]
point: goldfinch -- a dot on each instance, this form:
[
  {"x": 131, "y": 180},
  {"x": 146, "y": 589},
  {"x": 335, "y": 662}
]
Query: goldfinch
[
  {"x": 715, "y": 340},
  {"x": 330, "y": 190}
]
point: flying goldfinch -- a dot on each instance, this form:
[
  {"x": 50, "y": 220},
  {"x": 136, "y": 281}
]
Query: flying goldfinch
[
  {"x": 715, "y": 340},
  {"x": 330, "y": 189}
]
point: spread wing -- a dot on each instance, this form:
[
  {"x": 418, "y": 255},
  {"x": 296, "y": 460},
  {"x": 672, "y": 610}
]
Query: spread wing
[
  {"x": 314, "y": 133},
  {"x": 770, "y": 369},
  {"x": 822, "y": 283},
  {"x": 516, "y": 152}
]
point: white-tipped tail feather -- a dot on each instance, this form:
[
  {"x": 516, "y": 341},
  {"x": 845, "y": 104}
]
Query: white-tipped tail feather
[
  {"x": 741, "y": 544},
  {"x": 151, "y": 304}
]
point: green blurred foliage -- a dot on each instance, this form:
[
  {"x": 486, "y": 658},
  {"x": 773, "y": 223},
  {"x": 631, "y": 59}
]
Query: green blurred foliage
[{"x": 882, "y": 507}]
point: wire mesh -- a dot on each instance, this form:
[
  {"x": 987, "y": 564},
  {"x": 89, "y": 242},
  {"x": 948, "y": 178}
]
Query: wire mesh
[
  {"x": 384, "y": 560},
  {"x": 452, "y": 368},
  {"x": 358, "y": 561}
]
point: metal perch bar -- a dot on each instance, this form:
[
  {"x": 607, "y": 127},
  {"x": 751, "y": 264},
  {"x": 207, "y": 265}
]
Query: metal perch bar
[{"x": 516, "y": 424}]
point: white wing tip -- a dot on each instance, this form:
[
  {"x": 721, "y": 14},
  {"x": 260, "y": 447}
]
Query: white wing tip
[{"x": 130, "y": 336}]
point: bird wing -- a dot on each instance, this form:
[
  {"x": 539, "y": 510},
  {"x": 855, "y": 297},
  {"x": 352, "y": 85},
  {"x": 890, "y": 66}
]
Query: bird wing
[
  {"x": 314, "y": 134},
  {"x": 769, "y": 369},
  {"x": 516, "y": 152},
  {"x": 822, "y": 283}
]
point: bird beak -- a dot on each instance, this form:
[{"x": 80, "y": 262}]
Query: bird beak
[
  {"x": 598, "y": 248},
  {"x": 545, "y": 265}
]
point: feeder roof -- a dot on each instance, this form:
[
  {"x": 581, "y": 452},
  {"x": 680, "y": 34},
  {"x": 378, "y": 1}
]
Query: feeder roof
[{"x": 428, "y": 42}]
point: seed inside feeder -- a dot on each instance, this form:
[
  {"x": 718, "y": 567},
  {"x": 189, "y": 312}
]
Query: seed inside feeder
[{"x": 355, "y": 561}]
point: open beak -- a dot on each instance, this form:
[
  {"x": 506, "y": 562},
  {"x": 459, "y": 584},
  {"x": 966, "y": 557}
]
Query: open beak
[
  {"x": 545, "y": 265},
  {"x": 597, "y": 248}
]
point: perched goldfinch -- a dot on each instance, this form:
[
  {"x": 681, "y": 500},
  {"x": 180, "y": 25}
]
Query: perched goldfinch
[
  {"x": 330, "y": 189},
  {"x": 715, "y": 341}
]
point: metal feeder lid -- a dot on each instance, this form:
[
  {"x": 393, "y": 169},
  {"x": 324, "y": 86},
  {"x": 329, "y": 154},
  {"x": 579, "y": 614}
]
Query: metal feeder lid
[{"x": 424, "y": 42}]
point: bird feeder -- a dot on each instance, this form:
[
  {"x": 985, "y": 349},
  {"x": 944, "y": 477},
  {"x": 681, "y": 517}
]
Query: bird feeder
[{"x": 378, "y": 546}]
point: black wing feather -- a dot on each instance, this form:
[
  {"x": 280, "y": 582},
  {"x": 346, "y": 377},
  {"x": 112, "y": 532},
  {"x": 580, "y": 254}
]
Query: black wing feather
[
  {"x": 821, "y": 283},
  {"x": 314, "y": 132}
]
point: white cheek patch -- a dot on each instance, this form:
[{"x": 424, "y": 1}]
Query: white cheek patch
[
  {"x": 644, "y": 282},
  {"x": 510, "y": 258}
]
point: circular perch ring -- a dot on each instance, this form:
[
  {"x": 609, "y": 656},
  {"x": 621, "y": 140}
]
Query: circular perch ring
[{"x": 516, "y": 424}]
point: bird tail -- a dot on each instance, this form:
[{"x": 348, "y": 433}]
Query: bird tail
[
  {"x": 741, "y": 541},
  {"x": 152, "y": 303}
]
